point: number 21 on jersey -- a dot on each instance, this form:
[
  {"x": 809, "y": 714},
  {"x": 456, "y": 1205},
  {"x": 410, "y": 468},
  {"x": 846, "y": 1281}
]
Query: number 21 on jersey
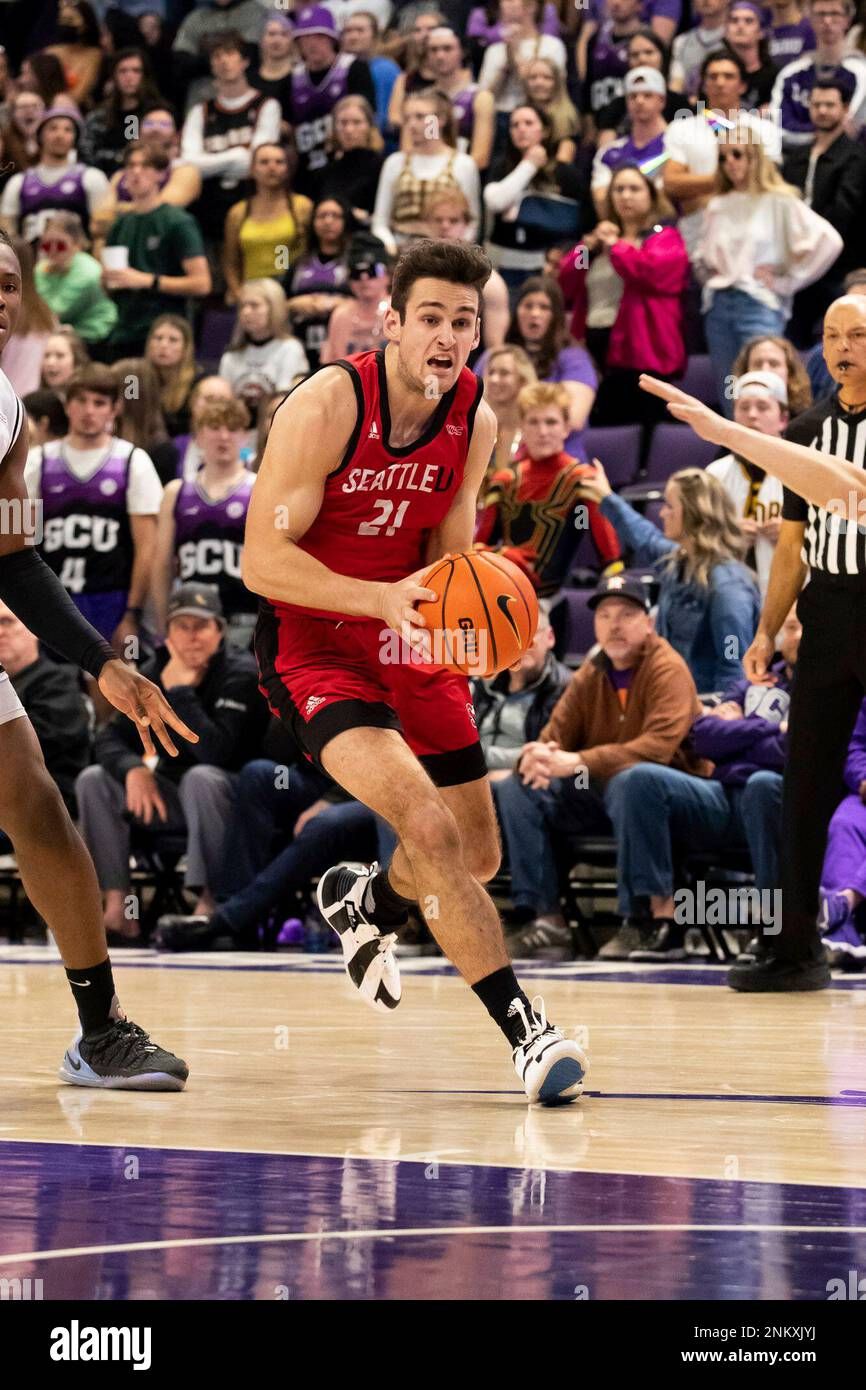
[{"x": 383, "y": 518}]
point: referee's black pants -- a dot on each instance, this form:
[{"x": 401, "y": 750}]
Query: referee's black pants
[{"x": 829, "y": 686}]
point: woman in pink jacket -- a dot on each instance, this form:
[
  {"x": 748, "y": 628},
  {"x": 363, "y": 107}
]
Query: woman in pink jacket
[{"x": 624, "y": 283}]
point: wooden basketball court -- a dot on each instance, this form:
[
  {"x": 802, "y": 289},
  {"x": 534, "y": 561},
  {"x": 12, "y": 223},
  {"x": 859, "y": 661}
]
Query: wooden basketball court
[{"x": 325, "y": 1151}]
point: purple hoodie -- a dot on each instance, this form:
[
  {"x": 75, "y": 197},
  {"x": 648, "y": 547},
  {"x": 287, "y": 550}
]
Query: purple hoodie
[{"x": 755, "y": 743}]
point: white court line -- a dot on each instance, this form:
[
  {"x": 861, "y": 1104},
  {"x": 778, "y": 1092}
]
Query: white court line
[{"x": 295, "y": 1237}]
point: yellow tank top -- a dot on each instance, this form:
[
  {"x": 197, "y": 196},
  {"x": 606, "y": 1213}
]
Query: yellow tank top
[{"x": 259, "y": 241}]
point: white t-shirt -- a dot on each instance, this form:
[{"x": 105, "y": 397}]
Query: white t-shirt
[
  {"x": 690, "y": 140},
  {"x": 144, "y": 490},
  {"x": 495, "y": 62},
  {"x": 761, "y": 505},
  {"x": 260, "y": 369}
]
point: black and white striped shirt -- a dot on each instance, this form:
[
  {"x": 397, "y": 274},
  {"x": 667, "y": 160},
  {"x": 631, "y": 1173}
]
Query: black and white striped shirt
[{"x": 831, "y": 545}]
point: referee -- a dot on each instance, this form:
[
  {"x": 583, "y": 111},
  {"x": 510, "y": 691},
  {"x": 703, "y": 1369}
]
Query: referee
[{"x": 830, "y": 680}]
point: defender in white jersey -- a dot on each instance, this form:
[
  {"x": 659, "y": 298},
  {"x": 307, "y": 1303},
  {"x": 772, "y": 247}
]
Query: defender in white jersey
[{"x": 110, "y": 1051}]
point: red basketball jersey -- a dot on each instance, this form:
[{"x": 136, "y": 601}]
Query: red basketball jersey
[{"x": 382, "y": 502}]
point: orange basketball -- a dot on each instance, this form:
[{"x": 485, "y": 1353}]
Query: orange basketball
[{"x": 485, "y": 614}]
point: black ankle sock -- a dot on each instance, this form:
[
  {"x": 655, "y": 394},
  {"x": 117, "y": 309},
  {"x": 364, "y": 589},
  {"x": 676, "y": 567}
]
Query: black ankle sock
[
  {"x": 385, "y": 906},
  {"x": 93, "y": 990},
  {"x": 497, "y": 993}
]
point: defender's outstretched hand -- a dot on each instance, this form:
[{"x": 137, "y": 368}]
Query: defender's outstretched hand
[
  {"x": 705, "y": 422},
  {"x": 144, "y": 703}
]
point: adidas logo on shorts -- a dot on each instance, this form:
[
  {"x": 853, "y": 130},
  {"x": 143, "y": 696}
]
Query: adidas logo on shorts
[{"x": 313, "y": 704}]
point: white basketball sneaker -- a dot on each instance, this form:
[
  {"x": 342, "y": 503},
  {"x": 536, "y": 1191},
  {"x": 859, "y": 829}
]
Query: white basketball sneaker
[
  {"x": 551, "y": 1066},
  {"x": 367, "y": 955}
]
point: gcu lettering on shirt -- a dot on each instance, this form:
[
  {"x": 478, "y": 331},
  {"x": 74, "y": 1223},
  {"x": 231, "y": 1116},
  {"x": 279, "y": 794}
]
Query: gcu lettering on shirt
[
  {"x": 77, "y": 1343},
  {"x": 209, "y": 541},
  {"x": 87, "y": 539},
  {"x": 312, "y": 103}
]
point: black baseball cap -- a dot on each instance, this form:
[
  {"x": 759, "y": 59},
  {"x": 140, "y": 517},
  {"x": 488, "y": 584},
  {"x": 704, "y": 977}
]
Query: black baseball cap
[
  {"x": 621, "y": 586},
  {"x": 196, "y": 600}
]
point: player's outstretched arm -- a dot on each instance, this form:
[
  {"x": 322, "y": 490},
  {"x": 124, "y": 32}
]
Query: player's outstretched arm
[
  {"x": 36, "y": 596},
  {"x": 309, "y": 436},
  {"x": 825, "y": 481},
  {"x": 457, "y": 531}
]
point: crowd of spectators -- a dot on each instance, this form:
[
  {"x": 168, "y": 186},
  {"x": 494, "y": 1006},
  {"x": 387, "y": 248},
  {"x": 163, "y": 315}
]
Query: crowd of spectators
[{"x": 207, "y": 200}]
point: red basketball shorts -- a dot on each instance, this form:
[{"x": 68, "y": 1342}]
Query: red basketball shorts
[{"x": 321, "y": 676}]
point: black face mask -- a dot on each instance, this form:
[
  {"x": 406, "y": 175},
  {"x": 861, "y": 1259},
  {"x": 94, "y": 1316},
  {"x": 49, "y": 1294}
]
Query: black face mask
[{"x": 67, "y": 33}]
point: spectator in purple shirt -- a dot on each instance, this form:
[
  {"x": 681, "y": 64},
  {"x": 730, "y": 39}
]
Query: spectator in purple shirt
[
  {"x": 539, "y": 326},
  {"x": 791, "y": 34}
]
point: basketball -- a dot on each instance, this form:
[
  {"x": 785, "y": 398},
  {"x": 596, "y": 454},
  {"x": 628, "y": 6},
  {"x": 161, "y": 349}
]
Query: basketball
[{"x": 485, "y": 613}]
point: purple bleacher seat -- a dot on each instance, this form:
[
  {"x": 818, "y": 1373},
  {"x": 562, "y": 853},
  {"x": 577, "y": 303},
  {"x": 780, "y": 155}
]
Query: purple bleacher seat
[
  {"x": 653, "y": 512},
  {"x": 699, "y": 380},
  {"x": 572, "y": 621},
  {"x": 617, "y": 447},
  {"x": 216, "y": 329},
  {"x": 674, "y": 447}
]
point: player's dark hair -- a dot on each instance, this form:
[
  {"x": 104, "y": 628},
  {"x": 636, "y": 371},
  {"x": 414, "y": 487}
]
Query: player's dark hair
[
  {"x": 95, "y": 377},
  {"x": 6, "y": 240},
  {"x": 853, "y": 279},
  {"x": 454, "y": 261}
]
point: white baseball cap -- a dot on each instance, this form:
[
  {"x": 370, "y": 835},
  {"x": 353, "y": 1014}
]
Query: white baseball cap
[
  {"x": 645, "y": 79},
  {"x": 766, "y": 381}
]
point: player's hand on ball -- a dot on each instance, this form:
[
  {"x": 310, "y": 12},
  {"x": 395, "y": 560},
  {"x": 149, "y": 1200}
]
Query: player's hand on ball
[
  {"x": 144, "y": 703},
  {"x": 397, "y": 610},
  {"x": 705, "y": 422}
]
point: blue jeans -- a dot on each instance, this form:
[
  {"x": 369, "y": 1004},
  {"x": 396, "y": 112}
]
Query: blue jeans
[
  {"x": 346, "y": 830},
  {"x": 731, "y": 320},
  {"x": 529, "y": 819},
  {"x": 652, "y": 807},
  {"x": 263, "y": 805}
]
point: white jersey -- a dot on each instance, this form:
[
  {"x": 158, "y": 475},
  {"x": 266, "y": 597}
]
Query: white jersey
[
  {"x": 761, "y": 501},
  {"x": 11, "y": 415}
]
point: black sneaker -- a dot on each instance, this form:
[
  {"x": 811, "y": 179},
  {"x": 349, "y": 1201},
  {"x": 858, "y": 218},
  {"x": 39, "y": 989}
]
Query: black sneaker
[
  {"x": 121, "y": 1057},
  {"x": 667, "y": 943},
  {"x": 177, "y": 933},
  {"x": 773, "y": 974}
]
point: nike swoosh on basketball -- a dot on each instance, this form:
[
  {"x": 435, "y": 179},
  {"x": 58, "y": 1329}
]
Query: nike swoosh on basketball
[
  {"x": 81, "y": 984},
  {"x": 502, "y": 603}
]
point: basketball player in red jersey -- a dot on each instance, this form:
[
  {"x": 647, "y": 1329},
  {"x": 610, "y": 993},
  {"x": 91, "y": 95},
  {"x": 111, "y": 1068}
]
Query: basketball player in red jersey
[{"x": 371, "y": 472}]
